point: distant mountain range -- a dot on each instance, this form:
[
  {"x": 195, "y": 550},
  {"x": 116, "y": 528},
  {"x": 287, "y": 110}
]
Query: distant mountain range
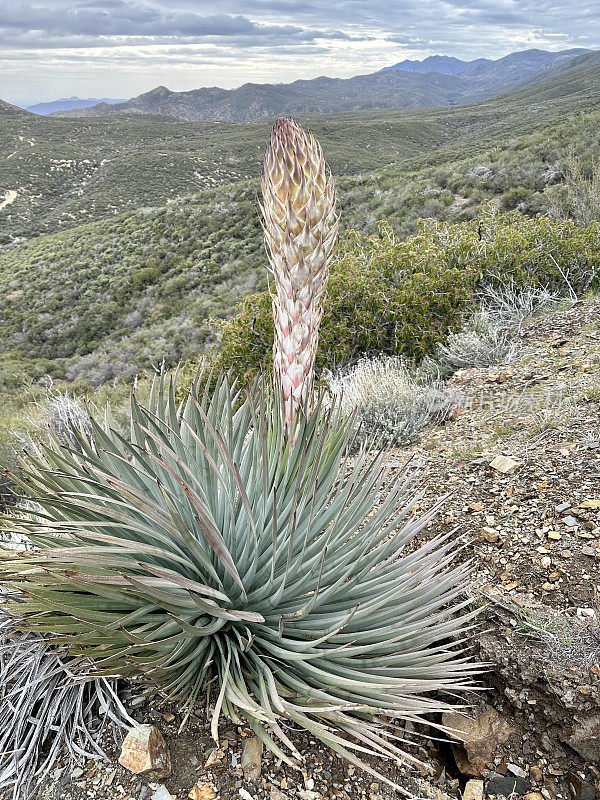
[
  {"x": 254, "y": 101},
  {"x": 436, "y": 81},
  {"x": 67, "y": 103},
  {"x": 519, "y": 66},
  {"x": 447, "y": 65}
]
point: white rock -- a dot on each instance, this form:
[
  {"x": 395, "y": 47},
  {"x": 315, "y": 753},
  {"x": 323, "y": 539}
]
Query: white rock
[
  {"x": 145, "y": 750},
  {"x": 161, "y": 793},
  {"x": 582, "y": 613},
  {"x": 473, "y": 790},
  {"x": 505, "y": 464}
]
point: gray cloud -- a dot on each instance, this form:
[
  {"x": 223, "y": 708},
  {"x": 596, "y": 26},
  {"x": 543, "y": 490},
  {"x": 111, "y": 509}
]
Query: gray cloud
[
  {"x": 189, "y": 43},
  {"x": 106, "y": 22},
  {"x": 59, "y": 19}
]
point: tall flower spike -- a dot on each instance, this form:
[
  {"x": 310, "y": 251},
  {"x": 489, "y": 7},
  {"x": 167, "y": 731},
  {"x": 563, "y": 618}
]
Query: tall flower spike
[{"x": 300, "y": 227}]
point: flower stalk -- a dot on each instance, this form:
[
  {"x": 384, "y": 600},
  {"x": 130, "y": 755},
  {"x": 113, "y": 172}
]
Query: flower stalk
[{"x": 300, "y": 228}]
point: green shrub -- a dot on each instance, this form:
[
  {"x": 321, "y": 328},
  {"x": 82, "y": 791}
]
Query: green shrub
[
  {"x": 384, "y": 296},
  {"x": 140, "y": 278},
  {"x": 393, "y": 297},
  {"x": 537, "y": 251},
  {"x": 515, "y": 197},
  {"x": 403, "y": 298}
]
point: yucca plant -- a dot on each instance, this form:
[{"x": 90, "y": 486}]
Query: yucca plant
[{"x": 208, "y": 550}]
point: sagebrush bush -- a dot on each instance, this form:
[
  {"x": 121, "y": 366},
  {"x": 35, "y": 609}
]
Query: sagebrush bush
[
  {"x": 581, "y": 200},
  {"x": 389, "y": 401},
  {"x": 492, "y": 335},
  {"x": 482, "y": 342},
  {"x": 509, "y": 305}
]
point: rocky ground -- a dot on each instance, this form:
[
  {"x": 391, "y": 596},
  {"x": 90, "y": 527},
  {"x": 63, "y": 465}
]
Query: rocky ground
[{"x": 521, "y": 458}]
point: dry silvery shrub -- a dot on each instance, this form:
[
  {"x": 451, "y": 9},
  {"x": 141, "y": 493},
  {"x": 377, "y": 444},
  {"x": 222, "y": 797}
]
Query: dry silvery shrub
[
  {"x": 60, "y": 415},
  {"x": 481, "y": 342},
  {"x": 48, "y": 706},
  {"x": 581, "y": 201},
  {"x": 390, "y": 400},
  {"x": 510, "y": 305},
  {"x": 492, "y": 335},
  {"x": 65, "y": 417}
]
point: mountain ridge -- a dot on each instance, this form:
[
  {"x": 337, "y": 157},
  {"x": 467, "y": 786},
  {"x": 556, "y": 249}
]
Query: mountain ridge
[
  {"x": 252, "y": 102},
  {"x": 387, "y": 88},
  {"x": 7, "y": 109},
  {"x": 479, "y": 67},
  {"x": 447, "y": 65},
  {"x": 67, "y": 103}
]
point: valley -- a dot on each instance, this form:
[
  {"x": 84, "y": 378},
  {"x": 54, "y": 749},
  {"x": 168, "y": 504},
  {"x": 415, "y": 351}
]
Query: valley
[
  {"x": 71, "y": 171},
  {"x": 140, "y": 231}
]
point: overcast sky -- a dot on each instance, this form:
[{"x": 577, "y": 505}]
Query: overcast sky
[{"x": 120, "y": 48}]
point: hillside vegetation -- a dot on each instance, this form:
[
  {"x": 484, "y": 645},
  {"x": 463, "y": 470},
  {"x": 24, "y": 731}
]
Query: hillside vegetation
[
  {"x": 129, "y": 290},
  {"x": 120, "y": 294},
  {"x": 8, "y": 110},
  {"x": 144, "y": 281},
  {"x": 66, "y": 172}
]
